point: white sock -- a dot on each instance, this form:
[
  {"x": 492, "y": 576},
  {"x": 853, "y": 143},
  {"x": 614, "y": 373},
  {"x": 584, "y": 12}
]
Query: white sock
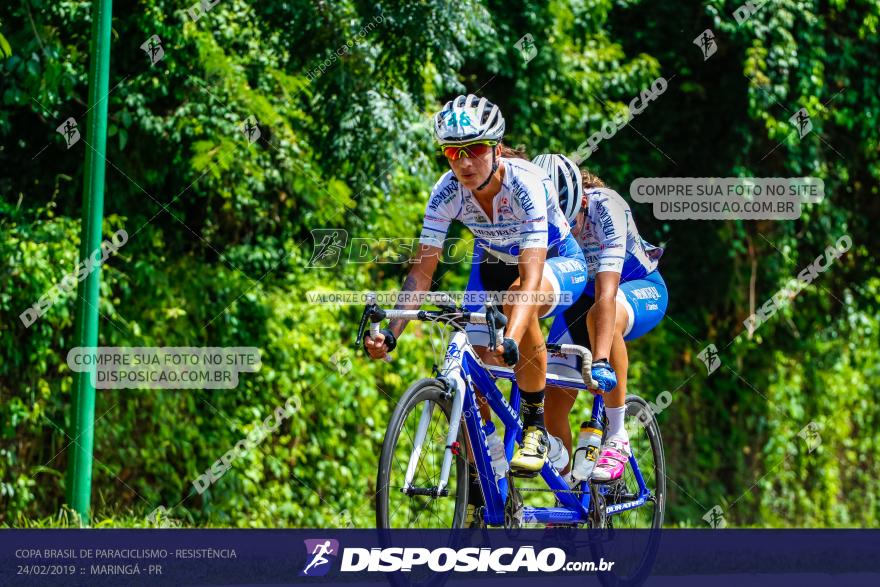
[{"x": 615, "y": 422}]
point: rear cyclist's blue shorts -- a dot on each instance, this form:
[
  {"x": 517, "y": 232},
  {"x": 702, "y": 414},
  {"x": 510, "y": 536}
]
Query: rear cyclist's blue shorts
[
  {"x": 565, "y": 268},
  {"x": 645, "y": 301}
]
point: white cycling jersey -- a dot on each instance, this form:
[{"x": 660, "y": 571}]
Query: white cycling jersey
[
  {"x": 610, "y": 240},
  {"x": 525, "y": 211}
]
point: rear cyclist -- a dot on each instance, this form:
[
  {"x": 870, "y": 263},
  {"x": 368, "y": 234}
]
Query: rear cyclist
[
  {"x": 625, "y": 298},
  {"x": 522, "y": 244}
]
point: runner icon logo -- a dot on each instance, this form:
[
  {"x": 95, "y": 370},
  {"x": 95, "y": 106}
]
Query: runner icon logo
[{"x": 320, "y": 553}]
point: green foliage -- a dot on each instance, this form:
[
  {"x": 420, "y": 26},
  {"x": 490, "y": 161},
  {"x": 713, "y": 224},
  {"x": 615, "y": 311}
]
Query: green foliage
[{"x": 342, "y": 92}]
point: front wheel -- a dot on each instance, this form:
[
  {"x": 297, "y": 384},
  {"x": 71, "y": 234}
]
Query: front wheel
[{"x": 420, "y": 423}]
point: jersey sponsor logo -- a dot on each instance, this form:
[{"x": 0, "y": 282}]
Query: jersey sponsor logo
[
  {"x": 647, "y": 293},
  {"x": 506, "y": 226},
  {"x": 473, "y": 211},
  {"x": 492, "y": 230},
  {"x": 606, "y": 221},
  {"x": 596, "y": 245},
  {"x": 444, "y": 195},
  {"x": 569, "y": 265},
  {"x": 521, "y": 194}
]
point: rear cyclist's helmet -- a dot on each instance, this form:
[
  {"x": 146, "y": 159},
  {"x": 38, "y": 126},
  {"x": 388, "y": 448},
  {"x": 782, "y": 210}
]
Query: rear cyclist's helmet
[
  {"x": 468, "y": 119},
  {"x": 566, "y": 176}
]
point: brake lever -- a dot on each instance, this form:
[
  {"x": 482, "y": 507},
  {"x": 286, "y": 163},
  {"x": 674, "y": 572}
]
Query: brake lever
[
  {"x": 368, "y": 310},
  {"x": 490, "y": 325},
  {"x": 495, "y": 322},
  {"x": 362, "y": 326},
  {"x": 375, "y": 315}
]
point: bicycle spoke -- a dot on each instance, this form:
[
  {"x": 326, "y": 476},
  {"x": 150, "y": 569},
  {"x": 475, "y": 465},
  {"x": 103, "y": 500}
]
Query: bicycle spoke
[
  {"x": 635, "y": 552},
  {"x": 417, "y": 510},
  {"x": 421, "y": 511}
]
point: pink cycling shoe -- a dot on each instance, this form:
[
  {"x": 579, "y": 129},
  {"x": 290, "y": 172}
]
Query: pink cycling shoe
[{"x": 612, "y": 459}]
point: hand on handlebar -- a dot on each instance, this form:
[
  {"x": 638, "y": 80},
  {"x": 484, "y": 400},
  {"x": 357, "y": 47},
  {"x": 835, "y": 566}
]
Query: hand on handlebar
[
  {"x": 508, "y": 352},
  {"x": 380, "y": 345},
  {"x": 604, "y": 375}
]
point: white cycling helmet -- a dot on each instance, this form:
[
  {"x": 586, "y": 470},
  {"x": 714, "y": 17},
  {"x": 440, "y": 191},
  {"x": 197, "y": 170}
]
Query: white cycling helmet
[
  {"x": 467, "y": 119},
  {"x": 566, "y": 176}
]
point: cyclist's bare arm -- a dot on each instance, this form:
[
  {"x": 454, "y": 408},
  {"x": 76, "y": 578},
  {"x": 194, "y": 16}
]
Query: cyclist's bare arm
[
  {"x": 607, "y": 283},
  {"x": 531, "y": 271},
  {"x": 418, "y": 280}
]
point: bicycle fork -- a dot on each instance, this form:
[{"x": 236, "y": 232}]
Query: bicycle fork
[{"x": 451, "y": 367}]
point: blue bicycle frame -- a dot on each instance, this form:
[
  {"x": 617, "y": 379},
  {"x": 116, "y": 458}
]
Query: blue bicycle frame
[{"x": 465, "y": 370}]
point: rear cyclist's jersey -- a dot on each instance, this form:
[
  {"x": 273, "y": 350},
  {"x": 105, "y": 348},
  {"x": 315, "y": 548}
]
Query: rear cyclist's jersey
[
  {"x": 525, "y": 211},
  {"x": 610, "y": 240}
]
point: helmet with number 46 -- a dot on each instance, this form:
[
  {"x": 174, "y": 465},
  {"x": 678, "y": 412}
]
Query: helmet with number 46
[{"x": 468, "y": 119}]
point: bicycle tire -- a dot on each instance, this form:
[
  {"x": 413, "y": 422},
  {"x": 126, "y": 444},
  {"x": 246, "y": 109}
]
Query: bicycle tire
[
  {"x": 636, "y": 406},
  {"x": 420, "y": 391}
]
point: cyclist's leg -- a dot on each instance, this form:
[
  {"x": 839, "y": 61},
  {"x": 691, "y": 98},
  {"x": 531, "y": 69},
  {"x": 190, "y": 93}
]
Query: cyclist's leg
[
  {"x": 562, "y": 282},
  {"x": 531, "y": 373},
  {"x": 563, "y": 279},
  {"x": 641, "y": 305},
  {"x": 615, "y": 449},
  {"x": 649, "y": 308},
  {"x": 488, "y": 273},
  {"x": 619, "y": 358},
  {"x": 568, "y": 328},
  {"x": 636, "y": 314}
]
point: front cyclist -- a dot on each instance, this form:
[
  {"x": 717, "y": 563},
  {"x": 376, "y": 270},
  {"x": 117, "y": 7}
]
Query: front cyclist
[
  {"x": 630, "y": 300},
  {"x": 522, "y": 244}
]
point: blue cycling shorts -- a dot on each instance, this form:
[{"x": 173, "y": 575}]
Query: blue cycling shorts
[
  {"x": 645, "y": 301},
  {"x": 565, "y": 268}
]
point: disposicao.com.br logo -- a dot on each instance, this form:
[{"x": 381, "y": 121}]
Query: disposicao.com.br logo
[{"x": 463, "y": 560}]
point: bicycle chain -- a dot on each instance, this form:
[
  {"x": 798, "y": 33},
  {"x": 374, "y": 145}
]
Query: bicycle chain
[{"x": 551, "y": 490}]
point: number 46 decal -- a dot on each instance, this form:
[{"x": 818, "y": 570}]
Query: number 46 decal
[{"x": 463, "y": 120}]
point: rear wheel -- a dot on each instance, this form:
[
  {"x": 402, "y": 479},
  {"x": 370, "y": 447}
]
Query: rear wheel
[
  {"x": 647, "y": 446},
  {"x": 420, "y": 505},
  {"x": 634, "y": 552}
]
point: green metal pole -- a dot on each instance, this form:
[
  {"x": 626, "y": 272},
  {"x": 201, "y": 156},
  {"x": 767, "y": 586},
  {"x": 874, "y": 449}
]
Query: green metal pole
[{"x": 79, "y": 471}]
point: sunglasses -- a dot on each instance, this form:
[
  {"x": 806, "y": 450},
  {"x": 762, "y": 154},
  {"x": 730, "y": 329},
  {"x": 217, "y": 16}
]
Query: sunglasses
[{"x": 471, "y": 150}]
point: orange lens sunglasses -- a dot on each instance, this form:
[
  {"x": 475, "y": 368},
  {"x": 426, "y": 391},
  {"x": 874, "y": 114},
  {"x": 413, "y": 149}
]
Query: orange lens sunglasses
[{"x": 472, "y": 150}]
